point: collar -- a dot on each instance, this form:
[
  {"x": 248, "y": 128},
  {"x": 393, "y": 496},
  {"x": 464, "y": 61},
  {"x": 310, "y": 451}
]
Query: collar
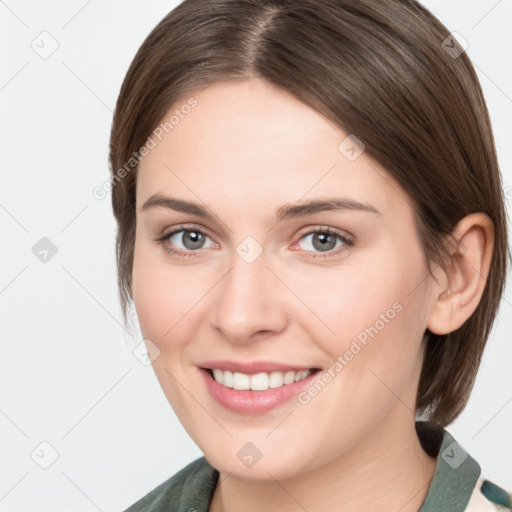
[{"x": 456, "y": 473}]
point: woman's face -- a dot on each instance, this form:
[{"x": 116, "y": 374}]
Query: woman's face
[{"x": 257, "y": 285}]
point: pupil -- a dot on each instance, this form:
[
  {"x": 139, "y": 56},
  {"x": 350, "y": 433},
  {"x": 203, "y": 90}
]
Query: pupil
[
  {"x": 194, "y": 240},
  {"x": 327, "y": 241}
]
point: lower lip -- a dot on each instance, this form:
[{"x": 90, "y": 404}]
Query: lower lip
[{"x": 254, "y": 402}]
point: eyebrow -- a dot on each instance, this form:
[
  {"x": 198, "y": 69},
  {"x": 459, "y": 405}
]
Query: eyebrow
[{"x": 287, "y": 211}]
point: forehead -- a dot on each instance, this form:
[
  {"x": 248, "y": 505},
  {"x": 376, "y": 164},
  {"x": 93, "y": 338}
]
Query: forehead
[{"x": 253, "y": 143}]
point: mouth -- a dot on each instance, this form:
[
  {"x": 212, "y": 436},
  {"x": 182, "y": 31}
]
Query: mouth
[
  {"x": 256, "y": 392},
  {"x": 261, "y": 381}
]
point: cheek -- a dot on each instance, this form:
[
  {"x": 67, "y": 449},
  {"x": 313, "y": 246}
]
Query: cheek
[
  {"x": 369, "y": 319},
  {"x": 158, "y": 294},
  {"x": 169, "y": 300},
  {"x": 360, "y": 303}
]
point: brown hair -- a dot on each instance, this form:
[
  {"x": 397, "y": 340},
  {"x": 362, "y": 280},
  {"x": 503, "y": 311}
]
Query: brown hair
[{"x": 383, "y": 70}]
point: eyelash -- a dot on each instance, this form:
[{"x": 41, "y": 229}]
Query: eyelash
[{"x": 347, "y": 242}]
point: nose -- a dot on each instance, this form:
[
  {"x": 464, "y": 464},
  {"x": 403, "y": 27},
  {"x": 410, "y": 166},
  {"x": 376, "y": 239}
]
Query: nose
[{"x": 249, "y": 302}]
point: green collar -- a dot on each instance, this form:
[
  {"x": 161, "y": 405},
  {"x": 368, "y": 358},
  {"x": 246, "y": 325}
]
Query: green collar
[{"x": 456, "y": 472}]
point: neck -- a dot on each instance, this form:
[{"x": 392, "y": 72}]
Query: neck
[{"x": 389, "y": 471}]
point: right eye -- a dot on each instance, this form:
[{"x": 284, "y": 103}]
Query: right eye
[{"x": 190, "y": 239}]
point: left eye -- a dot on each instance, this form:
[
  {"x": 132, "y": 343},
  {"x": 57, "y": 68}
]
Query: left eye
[{"x": 323, "y": 240}]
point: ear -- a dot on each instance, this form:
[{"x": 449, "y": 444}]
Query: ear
[{"x": 458, "y": 296}]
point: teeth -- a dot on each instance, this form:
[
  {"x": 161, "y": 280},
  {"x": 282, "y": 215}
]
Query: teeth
[{"x": 258, "y": 381}]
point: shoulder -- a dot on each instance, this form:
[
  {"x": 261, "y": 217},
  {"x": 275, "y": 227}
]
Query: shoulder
[
  {"x": 189, "y": 489},
  {"x": 458, "y": 483},
  {"x": 487, "y": 496}
]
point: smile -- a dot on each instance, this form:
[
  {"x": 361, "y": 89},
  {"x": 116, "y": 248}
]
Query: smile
[
  {"x": 258, "y": 381},
  {"x": 255, "y": 388}
]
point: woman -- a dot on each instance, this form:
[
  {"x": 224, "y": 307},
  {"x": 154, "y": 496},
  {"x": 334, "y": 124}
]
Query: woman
[{"x": 312, "y": 230}]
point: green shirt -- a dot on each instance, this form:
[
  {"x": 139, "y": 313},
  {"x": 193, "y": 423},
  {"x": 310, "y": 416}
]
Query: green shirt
[{"x": 456, "y": 487}]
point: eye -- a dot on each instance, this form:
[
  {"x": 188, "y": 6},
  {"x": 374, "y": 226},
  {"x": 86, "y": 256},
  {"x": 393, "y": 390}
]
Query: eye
[
  {"x": 187, "y": 240},
  {"x": 325, "y": 240}
]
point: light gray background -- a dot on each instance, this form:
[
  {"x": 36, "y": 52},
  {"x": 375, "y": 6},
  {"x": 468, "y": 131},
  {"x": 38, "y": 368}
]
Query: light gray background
[{"x": 67, "y": 373}]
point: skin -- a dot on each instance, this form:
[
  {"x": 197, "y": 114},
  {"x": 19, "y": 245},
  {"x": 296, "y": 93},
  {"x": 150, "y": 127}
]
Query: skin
[{"x": 244, "y": 151}]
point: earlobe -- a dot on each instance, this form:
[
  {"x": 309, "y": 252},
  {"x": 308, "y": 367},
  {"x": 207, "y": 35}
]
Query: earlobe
[{"x": 456, "y": 299}]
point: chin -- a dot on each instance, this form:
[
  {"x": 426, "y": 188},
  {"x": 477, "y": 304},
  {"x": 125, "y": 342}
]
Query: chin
[{"x": 266, "y": 464}]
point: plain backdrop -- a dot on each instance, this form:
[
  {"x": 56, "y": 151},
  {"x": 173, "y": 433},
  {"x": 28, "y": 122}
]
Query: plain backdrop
[{"x": 84, "y": 425}]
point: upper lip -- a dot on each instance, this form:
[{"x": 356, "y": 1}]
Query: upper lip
[{"x": 252, "y": 366}]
